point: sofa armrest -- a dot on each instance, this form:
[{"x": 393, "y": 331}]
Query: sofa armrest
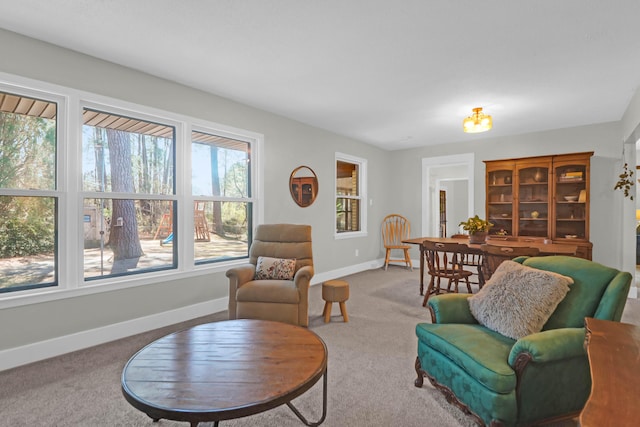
[
  {"x": 451, "y": 308},
  {"x": 303, "y": 276},
  {"x": 302, "y": 280},
  {"x": 549, "y": 346},
  {"x": 614, "y": 298},
  {"x": 241, "y": 274},
  {"x": 238, "y": 276}
]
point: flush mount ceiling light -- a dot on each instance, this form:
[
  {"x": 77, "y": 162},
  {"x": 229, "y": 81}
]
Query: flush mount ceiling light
[{"x": 477, "y": 122}]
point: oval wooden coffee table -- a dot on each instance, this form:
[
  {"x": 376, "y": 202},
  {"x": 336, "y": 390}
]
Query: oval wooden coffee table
[{"x": 223, "y": 370}]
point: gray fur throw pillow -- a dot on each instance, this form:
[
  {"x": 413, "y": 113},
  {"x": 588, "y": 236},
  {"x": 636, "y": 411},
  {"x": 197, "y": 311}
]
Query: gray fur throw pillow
[{"x": 518, "y": 300}]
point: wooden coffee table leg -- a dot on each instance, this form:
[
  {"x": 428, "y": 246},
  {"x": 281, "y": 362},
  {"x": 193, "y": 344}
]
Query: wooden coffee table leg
[{"x": 324, "y": 405}]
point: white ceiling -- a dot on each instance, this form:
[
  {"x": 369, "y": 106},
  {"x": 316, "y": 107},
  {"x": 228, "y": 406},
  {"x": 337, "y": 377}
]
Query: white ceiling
[{"x": 396, "y": 74}]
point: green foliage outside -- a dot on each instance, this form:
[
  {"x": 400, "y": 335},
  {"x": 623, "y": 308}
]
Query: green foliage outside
[
  {"x": 27, "y": 161},
  {"x": 22, "y": 237},
  {"x": 27, "y": 152}
]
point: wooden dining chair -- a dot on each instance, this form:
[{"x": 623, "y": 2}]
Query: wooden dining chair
[
  {"x": 471, "y": 257},
  {"x": 494, "y": 255},
  {"x": 444, "y": 262},
  {"x": 395, "y": 229}
]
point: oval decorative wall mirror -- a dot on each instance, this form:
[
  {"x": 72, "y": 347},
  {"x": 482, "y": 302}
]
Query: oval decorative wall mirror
[{"x": 303, "y": 185}]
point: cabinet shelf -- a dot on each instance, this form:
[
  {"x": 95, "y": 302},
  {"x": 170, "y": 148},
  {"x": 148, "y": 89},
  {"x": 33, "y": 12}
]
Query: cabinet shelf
[{"x": 582, "y": 181}]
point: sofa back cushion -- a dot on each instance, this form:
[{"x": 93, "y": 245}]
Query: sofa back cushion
[
  {"x": 291, "y": 241},
  {"x": 590, "y": 280}
]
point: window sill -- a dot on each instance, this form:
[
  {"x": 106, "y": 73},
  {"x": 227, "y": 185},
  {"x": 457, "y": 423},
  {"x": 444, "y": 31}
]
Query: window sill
[
  {"x": 349, "y": 235},
  {"x": 37, "y": 296}
]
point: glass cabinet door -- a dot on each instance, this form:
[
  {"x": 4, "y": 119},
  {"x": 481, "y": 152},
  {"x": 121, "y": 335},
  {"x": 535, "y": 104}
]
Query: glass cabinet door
[
  {"x": 571, "y": 201},
  {"x": 500, "y": 201},
  {"x": 533, "y": 200}
]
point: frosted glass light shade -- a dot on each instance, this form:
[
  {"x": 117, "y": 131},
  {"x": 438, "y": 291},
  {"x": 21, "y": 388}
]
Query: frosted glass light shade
[{"x": 477, "y": 122}]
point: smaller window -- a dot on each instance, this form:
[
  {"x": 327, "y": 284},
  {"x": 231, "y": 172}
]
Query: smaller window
[
  {"x": 221, "y": 186},
  {"x": 350, "y": 194}
]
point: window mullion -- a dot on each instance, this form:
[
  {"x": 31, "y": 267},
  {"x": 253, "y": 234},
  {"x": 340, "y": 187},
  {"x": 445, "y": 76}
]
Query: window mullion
[
  {"x": 185, "y": 202},
  {"x": 70, "y": 236}
]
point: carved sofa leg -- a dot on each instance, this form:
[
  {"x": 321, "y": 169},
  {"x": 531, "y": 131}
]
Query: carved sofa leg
[{"x": 421, "y": 374}]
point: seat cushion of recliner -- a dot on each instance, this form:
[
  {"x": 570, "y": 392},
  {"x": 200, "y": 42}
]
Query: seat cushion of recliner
[
  {"x": 480, "y": 352},
  {"x": 278, "y": 291}
]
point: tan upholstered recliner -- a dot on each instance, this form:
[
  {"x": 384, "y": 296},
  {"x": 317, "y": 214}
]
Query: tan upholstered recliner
[{"x": 281, "y": 300}]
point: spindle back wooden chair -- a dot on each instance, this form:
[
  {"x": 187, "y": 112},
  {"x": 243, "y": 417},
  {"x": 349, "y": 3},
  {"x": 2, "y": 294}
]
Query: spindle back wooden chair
[{"x": 395, "y": 229}]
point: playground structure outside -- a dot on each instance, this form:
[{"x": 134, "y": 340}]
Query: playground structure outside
[{"x": 24, "y": 270}]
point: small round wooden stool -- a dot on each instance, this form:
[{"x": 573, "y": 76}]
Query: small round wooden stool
[{"x": 335, "y": 291}]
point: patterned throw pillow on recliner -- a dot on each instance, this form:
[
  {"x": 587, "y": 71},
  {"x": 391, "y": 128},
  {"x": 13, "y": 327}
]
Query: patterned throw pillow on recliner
[
  {"x": 275, "y": 268},
  {"x": 518, "y": 300}
]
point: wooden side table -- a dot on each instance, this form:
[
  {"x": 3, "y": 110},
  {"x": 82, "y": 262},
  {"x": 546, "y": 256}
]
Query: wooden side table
[
  {"x": 614, "y": 357},
  {"x": 335, "y": 291}
]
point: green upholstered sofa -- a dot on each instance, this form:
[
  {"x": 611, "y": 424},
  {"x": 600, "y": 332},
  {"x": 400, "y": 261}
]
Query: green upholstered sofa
[{"x": 543, "y": 376}]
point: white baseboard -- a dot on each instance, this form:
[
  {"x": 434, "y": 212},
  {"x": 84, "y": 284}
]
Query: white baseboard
[
  {"x": 30, "y": 353},
  {"x": 42, "y": 350},
  {"x": 345, "y": 271}
]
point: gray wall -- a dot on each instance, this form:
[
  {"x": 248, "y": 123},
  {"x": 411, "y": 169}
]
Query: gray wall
[
  {"x": 288, "y": 144},
  {"x": 458, "y": 206},
  {"x": 394, "y": 181},
  {"x": 606, "y": 205}
]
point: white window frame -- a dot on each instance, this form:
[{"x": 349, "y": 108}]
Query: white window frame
[
  {"x": 58, "y": 192},
  {"x": 362, "y": 195},
  {"x": 70, "y": 279},
  {"x": 252, "y": 199},
  {"x": 137, "y": 114}
]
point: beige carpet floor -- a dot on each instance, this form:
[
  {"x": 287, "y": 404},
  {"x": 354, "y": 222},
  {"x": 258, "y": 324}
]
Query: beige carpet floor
[{"x": 370, "y": 370}]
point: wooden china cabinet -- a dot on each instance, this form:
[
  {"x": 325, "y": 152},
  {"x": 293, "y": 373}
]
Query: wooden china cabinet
[{"x": 545, "y": 197}]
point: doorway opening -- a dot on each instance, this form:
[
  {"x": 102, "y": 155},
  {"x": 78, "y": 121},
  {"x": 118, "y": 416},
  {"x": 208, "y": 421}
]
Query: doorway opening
[{"x": 455, "y": 176}]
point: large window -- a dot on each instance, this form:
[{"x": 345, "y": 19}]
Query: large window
[
  {"x": 128, "y": 168},
  {"x": 124, "y": 190},
  {"x": 221, "y": 186},
  {"x": 350, "y": 195},
  {"x": 28, "y": 196}
]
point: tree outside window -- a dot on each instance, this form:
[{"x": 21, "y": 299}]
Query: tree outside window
[
  {"x": 124, "y": 209},
  {"x": 221, "y": 186},
  {"x": 128, "y": 174}
]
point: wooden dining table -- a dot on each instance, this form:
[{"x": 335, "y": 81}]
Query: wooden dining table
[{"x": 544, "y": 248}]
